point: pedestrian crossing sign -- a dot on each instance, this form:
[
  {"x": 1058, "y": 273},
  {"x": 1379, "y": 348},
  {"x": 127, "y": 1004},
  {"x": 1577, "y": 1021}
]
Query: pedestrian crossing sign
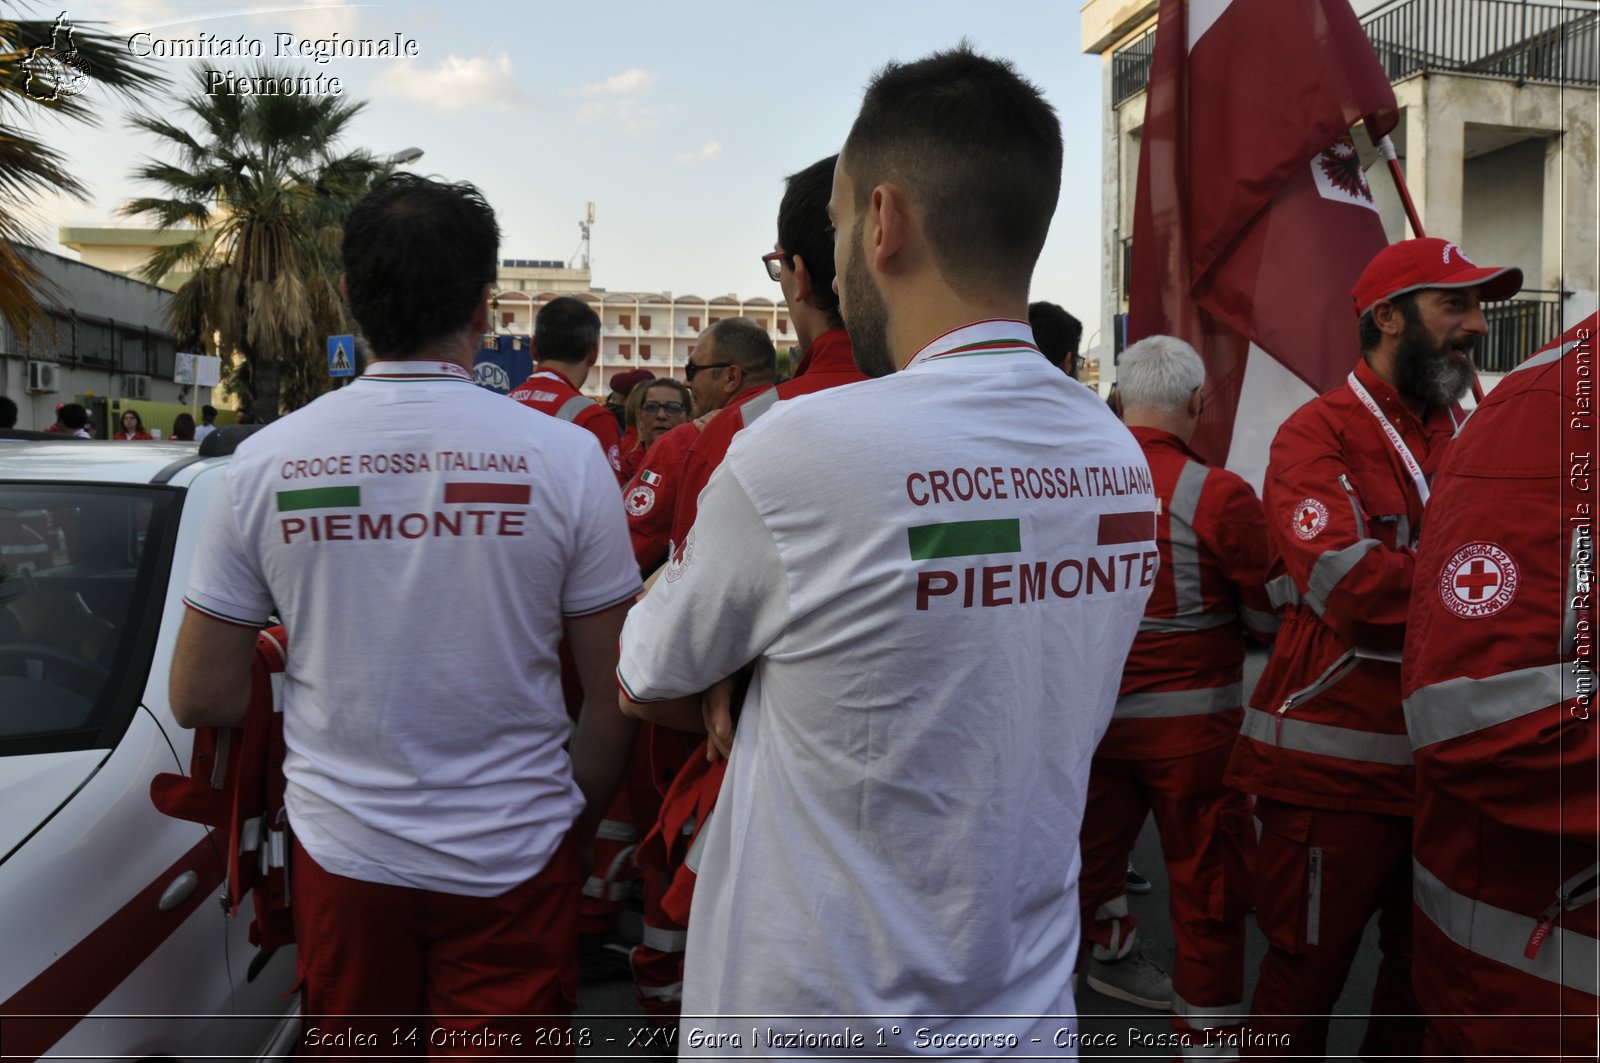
[{"x": 341, "y": 356}]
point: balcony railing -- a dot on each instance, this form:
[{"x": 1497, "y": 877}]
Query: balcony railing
[
  {"x": 1496, "y": 38},
  {"x": 1130, "y": 66},
  {"x": 1517, "y": 328}
]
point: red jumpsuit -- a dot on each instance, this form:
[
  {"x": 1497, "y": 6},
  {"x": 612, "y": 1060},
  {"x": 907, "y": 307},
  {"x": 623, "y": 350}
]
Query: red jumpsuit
[
  {"x": 1499, "y": 682},
  {"x": 549, "y": 392},
  {"x": 1323, "y": 743},
  {"x": 1176, "y": 719}
]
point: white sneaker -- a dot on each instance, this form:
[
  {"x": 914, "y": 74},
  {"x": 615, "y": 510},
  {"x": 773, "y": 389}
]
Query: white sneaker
[{"x": 1134, "y": 978}]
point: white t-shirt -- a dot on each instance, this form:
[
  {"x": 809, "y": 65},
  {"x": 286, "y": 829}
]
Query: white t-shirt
[
  {"x": 202, "y": 431},
  {"x": 938, "y": 575},
  {"x": 421, "y": 538}
]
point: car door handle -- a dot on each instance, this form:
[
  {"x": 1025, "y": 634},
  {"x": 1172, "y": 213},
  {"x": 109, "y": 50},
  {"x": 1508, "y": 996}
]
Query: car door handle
[{"x": 178, "y": 892}]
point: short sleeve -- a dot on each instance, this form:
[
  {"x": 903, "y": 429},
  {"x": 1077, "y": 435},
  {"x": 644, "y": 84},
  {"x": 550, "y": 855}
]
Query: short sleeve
[
  {"x": 601, "y": 570},
  {"x": 226, "y": 581}
]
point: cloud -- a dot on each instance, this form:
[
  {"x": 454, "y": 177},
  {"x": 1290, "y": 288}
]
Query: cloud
[
  {"x": 627, "y": 83},
  {"x": 707, "y": 152},
  {"x": 458, "y": 81}
]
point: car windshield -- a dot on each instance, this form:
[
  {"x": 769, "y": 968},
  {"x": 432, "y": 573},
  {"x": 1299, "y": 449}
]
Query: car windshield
[{"x": 77, "y": 616}]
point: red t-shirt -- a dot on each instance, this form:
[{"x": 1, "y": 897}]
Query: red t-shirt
[
  {"x": 549, "y": 392},
  {"x": 651, "y": 495},
  {"x": 828, "y": 363}
]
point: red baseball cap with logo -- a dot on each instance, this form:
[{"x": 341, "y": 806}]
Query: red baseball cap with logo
[{"x": 1412, "y": 265}]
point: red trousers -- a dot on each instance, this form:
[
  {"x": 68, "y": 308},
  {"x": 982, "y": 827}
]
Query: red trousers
[
  {"x": 1320, "y": 877},
  {"x": 1207, "y": 838},
  {"x": 436, "y": 974}
]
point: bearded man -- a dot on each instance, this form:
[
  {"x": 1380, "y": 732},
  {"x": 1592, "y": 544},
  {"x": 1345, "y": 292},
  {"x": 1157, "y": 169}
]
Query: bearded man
[{"x": 1323, "y": 745}]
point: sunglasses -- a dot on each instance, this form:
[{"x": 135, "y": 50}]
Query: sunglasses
[
  {"x": 690, "y": 369},
  {"x": 774, "y": 263},
  {"x": 672, "y": 409}
]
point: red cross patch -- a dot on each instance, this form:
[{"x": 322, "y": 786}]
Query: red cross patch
[
  {"x": 1309, "y": 518},
  {"x": 1479, "y": 580},
  {"x": 641, "y": 500},
  {"x": 680, "y": 557}
]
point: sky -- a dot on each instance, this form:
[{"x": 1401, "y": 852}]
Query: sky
[{"x": 678, "y": 122}]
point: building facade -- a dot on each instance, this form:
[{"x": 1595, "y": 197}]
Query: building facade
[{"x": 1498, "y": 106}]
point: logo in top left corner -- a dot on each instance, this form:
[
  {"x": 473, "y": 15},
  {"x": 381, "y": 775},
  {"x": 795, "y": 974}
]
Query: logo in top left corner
[{"x": 56, "y": 71}]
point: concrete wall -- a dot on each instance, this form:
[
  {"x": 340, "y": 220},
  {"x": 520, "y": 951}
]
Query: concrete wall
[{"x": 98, "y": 296}]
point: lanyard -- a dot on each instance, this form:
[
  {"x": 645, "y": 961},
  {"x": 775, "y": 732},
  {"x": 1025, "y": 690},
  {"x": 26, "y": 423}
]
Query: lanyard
[{"x": 1395, "y": 441}]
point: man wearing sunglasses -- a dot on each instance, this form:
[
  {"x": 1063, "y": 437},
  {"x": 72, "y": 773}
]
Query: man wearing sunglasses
[{"x": 732, "y": 361}]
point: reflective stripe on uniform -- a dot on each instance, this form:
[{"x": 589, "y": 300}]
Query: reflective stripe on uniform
[
  {"x": 661, "y": 992},
  {"x": 1185, "y": 544},
  {"x": 1303, "y": 736},
  {"x": 1461, "y": 706},
  {"x": 1155, "y": 704},
  {"x": 1191, "y": 622},
  {"x": 1256, "y": 620},
  {"x": 1209, "y": 1017},
  {"x": 1115, "y": 908},
  {"x": 616, "y": 830},
  {"x": 600, "y": 889},
  {"x": 691, "y": 859},
  {"x": 1281, "y": 591},
  {"x": 750, "y": 411},
  {"x": 569, "y": 410},
  {"x": 663, "y": 940},
  {"x": 1332, "y": 567},
  {"x": 1568, "y": 958}
]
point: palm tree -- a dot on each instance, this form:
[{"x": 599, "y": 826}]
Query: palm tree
[
  {"x": 264, "y": 191},
  {"x": 47, "y": 70}
]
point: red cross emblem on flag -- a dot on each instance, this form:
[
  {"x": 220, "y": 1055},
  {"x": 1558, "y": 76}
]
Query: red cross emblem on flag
[
  {"x": 1479, "y": 580},
  {"x": 1310, "y": 517}
]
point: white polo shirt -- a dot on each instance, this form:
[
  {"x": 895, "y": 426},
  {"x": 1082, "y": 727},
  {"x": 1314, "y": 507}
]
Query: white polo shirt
[
  {"x": 938, "y": 575},
  {"x": 421, "y": 538}
]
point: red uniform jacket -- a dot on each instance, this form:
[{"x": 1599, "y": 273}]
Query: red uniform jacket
[
  {"x": 235, "y": 783},
  {"x": 549, "y": 392},
  {"x": 828, "y": 362},
  {"x": 652, "y": 492},
  {"x": 1499, "y": 677},
  {"x": 1324, "y": 727},
  {"x": 1182, "y": 688},
  {"x": 630, "y": 453}
]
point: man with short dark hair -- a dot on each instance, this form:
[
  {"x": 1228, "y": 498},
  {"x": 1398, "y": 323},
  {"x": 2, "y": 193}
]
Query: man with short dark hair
[
  {"x": 802, "y": 264},
  {"x": 566, "y": 344},
  {"x": 208, "y": 422},
  {"x": 882, "y": 554},
  {"x": 71, "y": 420},
  {"x": 1323, "y": 743},
  {"x": 8, "y": 412},
  {"x": 1057, "y": 333},
  {"x": 435, "y": 810}
]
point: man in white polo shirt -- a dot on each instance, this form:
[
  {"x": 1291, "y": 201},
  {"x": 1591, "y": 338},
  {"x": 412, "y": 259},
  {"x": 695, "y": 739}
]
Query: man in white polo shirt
[
  {"x": 937, "y": 576},
  {"x": 419, "y": 535}
]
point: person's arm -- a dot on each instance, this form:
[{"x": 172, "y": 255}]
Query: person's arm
[
  {"x": 1245, "y": 557},
  {"x": 1326, "y": 533},
  {"x": 603, "y": 744},
  {"x": 210, "y": 681}
]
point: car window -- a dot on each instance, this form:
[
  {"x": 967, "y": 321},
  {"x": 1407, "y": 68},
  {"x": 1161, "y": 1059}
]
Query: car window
[{"x": 77, "y": 614}]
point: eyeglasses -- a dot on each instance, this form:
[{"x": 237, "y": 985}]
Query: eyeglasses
[
  {"x": 671, "y": 409},
  {"x": 774, "y": 263},
  {"x": 690, "y": 369}
]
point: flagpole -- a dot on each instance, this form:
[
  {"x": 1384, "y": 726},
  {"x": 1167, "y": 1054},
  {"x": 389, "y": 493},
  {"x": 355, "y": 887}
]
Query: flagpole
[{"x": 1386, "y": 149}]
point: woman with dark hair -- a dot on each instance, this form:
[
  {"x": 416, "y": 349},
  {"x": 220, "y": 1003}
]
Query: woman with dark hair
[
  {"x": 132, "y": 426},
  {"x": 183, "y": 427},
  {"x": 657, "y": 407}
]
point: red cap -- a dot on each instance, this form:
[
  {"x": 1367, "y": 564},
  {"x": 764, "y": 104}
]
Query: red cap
[
  {"x": 629, "y": 379},
  {"x": 1412, "y": 265}
]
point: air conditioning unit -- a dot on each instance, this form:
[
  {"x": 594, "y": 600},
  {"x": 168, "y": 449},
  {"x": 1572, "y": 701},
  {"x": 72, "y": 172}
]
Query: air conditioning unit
[
  {"x": 44, "y": 376},
  {"x": 135, "y": 386}
]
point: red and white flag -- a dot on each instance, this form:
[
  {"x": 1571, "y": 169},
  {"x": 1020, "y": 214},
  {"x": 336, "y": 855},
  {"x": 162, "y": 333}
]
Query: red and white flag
[{"x": 1253, "y": 217}]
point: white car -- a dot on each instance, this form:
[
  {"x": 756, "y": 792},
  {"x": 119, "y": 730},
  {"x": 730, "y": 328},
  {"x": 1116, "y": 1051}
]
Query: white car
[{"x": 116, "y": 944}]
